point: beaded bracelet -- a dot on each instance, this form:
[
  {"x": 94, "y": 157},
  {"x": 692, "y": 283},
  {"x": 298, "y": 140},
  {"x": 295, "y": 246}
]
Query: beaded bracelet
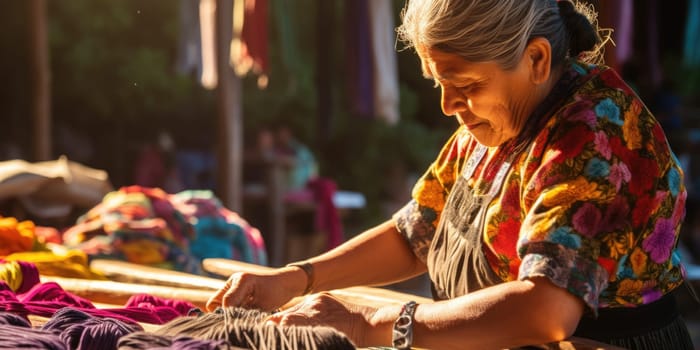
[
  {"x": 309, "y": 270},
  {"x": 402, "y": 333}
]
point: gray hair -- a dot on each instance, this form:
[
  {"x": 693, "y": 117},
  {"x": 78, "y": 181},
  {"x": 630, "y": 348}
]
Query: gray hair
[{"x": 499, "y": 30}]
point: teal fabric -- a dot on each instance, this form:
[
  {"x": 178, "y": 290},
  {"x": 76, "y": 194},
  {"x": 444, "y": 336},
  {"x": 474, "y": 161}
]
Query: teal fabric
[
  {"x": 691, "y": 50},
  {"x": 304, "y": 168}
]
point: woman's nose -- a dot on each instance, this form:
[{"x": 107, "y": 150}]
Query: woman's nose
[{"x": 453, "y": 101}]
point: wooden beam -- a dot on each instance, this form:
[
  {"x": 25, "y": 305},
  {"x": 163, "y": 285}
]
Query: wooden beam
[
  {"x": 41, "y": 80},
  {"x": 370, "y": 296},
  {"x": 110, "y": 292},
  {"x": 122, "y": 271},
  {"x": 230, "y": 114}
]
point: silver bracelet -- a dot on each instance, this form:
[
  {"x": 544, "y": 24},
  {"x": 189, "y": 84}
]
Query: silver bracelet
[
  {"x": 309, "y": 271},
  {"x": 402, "y": 333}
]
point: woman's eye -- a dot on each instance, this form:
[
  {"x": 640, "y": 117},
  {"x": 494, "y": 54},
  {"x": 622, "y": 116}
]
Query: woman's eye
[{"x": 469, "y": 87}]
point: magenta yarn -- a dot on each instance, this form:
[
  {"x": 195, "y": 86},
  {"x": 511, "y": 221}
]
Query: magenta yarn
[
  {"x": 45, "y": 299},
  {"x": 182, "y": 307},
  {"x": 30, "y": 276},
  {"x": 52, "y": 293},
  {"x": 29, "y": 272},
  {"x": 9, "y": 302}
]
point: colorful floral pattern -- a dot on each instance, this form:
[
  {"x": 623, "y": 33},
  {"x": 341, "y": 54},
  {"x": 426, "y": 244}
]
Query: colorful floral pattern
[{"x": 595, "y": 204}]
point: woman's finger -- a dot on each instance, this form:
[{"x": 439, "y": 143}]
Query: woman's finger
[
  {"x": 216, "y": 299},
  {"x": 239, "y": 294}
]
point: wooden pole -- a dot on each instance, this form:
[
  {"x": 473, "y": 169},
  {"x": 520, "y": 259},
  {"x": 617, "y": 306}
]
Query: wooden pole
[
  {"x": 370, "y": 296},
  {"x": 126, "y": 272},
  {"x": 118, "y": 293},
  {"x": 41, "y": 80},
  {"x": 230, "y": 114}
]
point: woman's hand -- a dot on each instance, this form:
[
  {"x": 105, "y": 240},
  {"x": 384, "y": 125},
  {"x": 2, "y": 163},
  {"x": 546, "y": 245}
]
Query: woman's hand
[
  {"x": 324, "y": 309},
  {"x": 266, "y": 291}
]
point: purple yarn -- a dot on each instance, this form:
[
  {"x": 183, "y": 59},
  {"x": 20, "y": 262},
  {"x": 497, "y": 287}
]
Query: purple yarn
[
  {"x": 65, "y": 318},
  {"x": 96, "y": 333},
  {"x": 15, "y": 337},
  {"x": 80, "y": 330},
  {"x": 11, "y": 319}
]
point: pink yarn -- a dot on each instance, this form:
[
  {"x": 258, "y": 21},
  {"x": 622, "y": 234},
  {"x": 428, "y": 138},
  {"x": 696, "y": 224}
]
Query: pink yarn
[
  {"x": 148, "y": 301},
  {"x": 44, "y": 299},
  {"x": 29, "y": 272},
  {"x": 30, "y": 276},
  {"x": 47, "y": 298}
]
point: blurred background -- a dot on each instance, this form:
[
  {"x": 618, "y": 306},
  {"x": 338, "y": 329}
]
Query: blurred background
[{"x": 182, "y": 94}]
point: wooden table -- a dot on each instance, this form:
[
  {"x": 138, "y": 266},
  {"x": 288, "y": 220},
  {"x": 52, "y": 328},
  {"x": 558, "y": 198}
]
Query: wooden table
[
  {"x": 127, "y": 279},
  {"x": 378, "y": 297}
]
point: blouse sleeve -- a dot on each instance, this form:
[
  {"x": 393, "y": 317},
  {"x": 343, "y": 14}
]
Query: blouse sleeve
[
  {"x": 570, "y": 182},
  {"x": 602, "y": 186},
  {"x": 418, "y": 219},
  {"x": 591, "y": 172}
]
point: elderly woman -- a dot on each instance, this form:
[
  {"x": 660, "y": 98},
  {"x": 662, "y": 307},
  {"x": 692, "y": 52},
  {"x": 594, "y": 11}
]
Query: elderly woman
[{"x": 553, "y": 210}]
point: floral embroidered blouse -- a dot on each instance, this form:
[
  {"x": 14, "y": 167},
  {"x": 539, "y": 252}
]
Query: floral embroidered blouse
[{"x": 595, "y": 203}]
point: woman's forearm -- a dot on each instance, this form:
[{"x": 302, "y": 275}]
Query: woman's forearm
[
  {"x": 377, "y": 256},
  {"x": 506, "y": 315}
]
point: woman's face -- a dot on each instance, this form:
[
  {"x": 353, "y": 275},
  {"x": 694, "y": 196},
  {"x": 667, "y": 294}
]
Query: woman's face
[{"x": 492, "y": 103}]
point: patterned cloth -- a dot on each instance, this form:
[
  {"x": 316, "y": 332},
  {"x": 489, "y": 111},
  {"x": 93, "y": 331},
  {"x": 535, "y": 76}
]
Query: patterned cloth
[
  {"x": 594, "y": 204},
  {"x": 149, "y": 226}
]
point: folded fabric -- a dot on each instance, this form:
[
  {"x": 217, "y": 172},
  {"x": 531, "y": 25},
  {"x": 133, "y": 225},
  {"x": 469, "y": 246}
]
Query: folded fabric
[{"x": 149, "y": 226}]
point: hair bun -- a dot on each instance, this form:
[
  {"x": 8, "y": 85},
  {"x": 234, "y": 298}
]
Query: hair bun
[
  {"x": 582, "y": 35},
  {"x": 566, "y": 9}
]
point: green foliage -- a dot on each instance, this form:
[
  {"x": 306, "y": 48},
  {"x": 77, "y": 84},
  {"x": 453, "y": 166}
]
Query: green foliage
[
  {"x": 687, "y": 80},
  {"x": 114, "y": 60},
  {"x": 14, "y": 71}
]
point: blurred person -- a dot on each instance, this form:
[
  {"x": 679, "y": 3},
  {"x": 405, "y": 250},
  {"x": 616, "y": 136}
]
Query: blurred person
[
  {"x": 156, "y": 165},
  {"x": 296, "y": 157}
]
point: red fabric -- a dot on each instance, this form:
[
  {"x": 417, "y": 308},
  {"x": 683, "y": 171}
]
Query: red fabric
[
  {"x": 255, "y": 34},
  {"x": 327, "y": 217}
]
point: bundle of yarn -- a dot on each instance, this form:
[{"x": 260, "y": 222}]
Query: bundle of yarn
[
  {"x": 75, "y": 323},
  {"x": 22, "y": 293},
  {"x": 241, "y": 329}
]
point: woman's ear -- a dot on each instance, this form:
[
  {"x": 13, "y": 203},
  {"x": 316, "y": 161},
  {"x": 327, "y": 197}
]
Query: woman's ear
[{"x": 538, "y": 58}]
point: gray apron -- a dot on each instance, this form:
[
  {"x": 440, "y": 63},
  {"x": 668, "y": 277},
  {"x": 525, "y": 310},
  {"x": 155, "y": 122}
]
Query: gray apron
[{"x": 456, "y": 261}]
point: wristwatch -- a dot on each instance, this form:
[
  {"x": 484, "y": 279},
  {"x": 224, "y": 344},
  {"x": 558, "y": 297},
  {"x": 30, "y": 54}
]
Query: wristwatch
[{"x": 402, "y": 333}]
